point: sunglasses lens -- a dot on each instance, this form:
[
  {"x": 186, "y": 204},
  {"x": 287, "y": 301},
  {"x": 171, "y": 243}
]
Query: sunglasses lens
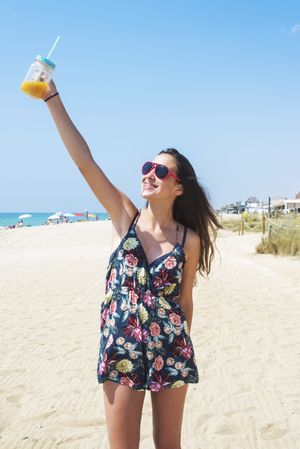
[
  {"x": 147, "y": 167},
  {"x": 161, "y": 171}
]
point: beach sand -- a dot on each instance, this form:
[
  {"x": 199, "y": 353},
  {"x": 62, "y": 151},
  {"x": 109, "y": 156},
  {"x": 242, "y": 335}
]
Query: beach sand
[{"x": 245, "y": 332}]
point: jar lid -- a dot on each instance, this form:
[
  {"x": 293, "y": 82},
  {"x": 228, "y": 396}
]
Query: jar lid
[{"x": 45, "y": 61}]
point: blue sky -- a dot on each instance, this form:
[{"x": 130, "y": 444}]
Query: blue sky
[{"x": 219, "y": 81}]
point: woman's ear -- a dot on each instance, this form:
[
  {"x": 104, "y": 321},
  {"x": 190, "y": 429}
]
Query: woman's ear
[{"x": 179, "y": 190}]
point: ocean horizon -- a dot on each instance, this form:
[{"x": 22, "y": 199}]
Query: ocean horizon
[{"x": 39, "y": 218}]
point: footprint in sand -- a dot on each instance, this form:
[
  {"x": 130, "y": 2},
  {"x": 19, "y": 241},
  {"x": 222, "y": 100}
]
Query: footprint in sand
[
  {"x": 227, "y": 429},
  {"x": 14, "y": 399},
  {"x": 203, "y": 418},
  {"x": 273, "y": 431},
  {"x": 222, "y": 426},
  {"x": 40, "y": 416}
]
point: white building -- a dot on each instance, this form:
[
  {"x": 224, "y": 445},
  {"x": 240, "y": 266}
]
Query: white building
[
  {"x": 257, "y": 208},
  {"x": 251, "y": 207},
  {"x": 285, "y": 205}
]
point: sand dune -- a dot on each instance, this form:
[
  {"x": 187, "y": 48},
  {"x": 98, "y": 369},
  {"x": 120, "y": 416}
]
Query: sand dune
[{"x": 245, "y": 331}]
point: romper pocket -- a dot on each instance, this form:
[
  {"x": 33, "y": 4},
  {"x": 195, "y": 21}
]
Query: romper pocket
[
  {"x": 179, "y": 310},
  {"x": 177, "y": 307}
]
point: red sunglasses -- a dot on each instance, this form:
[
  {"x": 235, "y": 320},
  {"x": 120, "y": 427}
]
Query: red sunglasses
[{"x": 161, "y": 171}]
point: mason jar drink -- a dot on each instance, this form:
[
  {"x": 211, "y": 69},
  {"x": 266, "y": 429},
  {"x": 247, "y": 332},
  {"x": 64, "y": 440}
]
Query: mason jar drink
[{"x": 37, "y": 78}]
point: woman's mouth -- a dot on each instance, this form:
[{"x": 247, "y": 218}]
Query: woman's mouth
[{"x": 148, "y": 186}]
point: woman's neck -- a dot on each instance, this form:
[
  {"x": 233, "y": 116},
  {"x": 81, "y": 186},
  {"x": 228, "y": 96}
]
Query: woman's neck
[{"x": 159, "y": 217}]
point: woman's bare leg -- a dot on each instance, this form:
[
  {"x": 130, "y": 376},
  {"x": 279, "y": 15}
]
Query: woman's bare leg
[
  {"x": 123, "y": 408},
  {"x": 167, "y": 413}
]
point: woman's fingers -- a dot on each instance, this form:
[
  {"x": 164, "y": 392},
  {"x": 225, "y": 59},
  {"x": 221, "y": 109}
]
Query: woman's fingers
[{"x": 50, "y": 90}]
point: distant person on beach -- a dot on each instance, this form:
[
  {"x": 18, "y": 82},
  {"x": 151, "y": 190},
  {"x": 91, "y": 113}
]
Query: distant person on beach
[{"x": 146, "y": 313}]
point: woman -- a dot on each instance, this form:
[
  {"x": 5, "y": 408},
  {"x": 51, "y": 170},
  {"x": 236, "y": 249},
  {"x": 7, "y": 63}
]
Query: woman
[{"x": 146, "y": 314}]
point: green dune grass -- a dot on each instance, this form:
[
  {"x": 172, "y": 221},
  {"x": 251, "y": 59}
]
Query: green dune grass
[{"x": 282, "y": 234}]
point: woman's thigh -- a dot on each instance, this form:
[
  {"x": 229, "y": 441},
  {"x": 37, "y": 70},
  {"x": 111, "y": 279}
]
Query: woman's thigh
[
  {"x": 123, "y": 409},
  {"x": 167, "y": 415}
]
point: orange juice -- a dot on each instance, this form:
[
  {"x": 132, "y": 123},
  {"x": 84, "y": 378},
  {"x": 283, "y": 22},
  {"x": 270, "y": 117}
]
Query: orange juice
[{"x": 35, "y": 89}]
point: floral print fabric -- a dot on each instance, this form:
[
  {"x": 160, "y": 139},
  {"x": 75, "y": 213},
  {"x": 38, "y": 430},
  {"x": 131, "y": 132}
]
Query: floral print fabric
[{"x": 145, "y": 342}]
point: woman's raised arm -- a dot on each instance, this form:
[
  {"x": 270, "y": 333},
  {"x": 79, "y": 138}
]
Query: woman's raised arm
[{"x": 119, "y": 207}]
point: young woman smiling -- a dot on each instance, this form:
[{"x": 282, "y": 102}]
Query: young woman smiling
[{"x": 146, "y": 313}]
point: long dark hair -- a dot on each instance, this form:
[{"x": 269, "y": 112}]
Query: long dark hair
[{"x": 193, "y": 209}]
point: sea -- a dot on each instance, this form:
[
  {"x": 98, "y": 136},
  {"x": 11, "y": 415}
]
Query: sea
[{"x": 38, "y": 218}]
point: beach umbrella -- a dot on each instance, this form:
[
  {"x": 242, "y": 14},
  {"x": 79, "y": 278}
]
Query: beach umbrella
[
  {"x": 25, "y": 216},
  {"x": 52, "y": 217},
  {"x": 78, "y": 214}
]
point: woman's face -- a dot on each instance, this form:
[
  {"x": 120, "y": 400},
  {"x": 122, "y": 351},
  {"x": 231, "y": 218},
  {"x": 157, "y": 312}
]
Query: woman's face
[{"x": 154, "y": 188}]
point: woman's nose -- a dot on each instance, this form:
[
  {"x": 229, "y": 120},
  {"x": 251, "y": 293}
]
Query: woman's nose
[{"x": 151, "y": 174}]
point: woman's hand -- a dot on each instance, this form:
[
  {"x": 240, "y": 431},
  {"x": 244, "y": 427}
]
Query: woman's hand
[{"x": 50, "y": 91}]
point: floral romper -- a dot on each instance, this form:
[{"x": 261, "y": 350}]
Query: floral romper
[{"x": 145, "y": 342}]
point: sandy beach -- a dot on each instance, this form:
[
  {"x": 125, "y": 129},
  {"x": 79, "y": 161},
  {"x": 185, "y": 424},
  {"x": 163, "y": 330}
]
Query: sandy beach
[{"x": 245, "y": 332}]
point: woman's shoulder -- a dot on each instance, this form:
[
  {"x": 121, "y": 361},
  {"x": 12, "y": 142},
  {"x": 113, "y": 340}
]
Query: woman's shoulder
[
  {"x": 192, "y": 243},
  {"x": 192, "y": 236}
]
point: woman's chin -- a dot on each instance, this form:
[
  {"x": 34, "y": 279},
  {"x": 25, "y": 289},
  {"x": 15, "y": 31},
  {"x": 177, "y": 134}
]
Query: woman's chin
[{"x": 146, "y": 194}]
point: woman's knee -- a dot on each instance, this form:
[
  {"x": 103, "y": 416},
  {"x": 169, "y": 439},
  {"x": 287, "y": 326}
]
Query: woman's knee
[{"x": 166, "y": 441}]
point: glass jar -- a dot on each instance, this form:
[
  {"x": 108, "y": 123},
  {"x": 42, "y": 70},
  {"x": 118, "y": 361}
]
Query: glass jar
[{"x": 37, "y": 78}]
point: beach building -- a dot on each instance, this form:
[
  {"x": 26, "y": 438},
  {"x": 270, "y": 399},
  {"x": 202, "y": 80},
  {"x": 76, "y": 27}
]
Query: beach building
[
  {"x": 252, "y": 207},
  {"x": 285, "y": 205}
]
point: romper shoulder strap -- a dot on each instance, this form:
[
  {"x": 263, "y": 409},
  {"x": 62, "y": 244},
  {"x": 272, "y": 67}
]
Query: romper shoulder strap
[
  {"x": 184, "y": 236},
  {"x": 177, "y": 233},
  {"x": 133, "y": 223}
]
